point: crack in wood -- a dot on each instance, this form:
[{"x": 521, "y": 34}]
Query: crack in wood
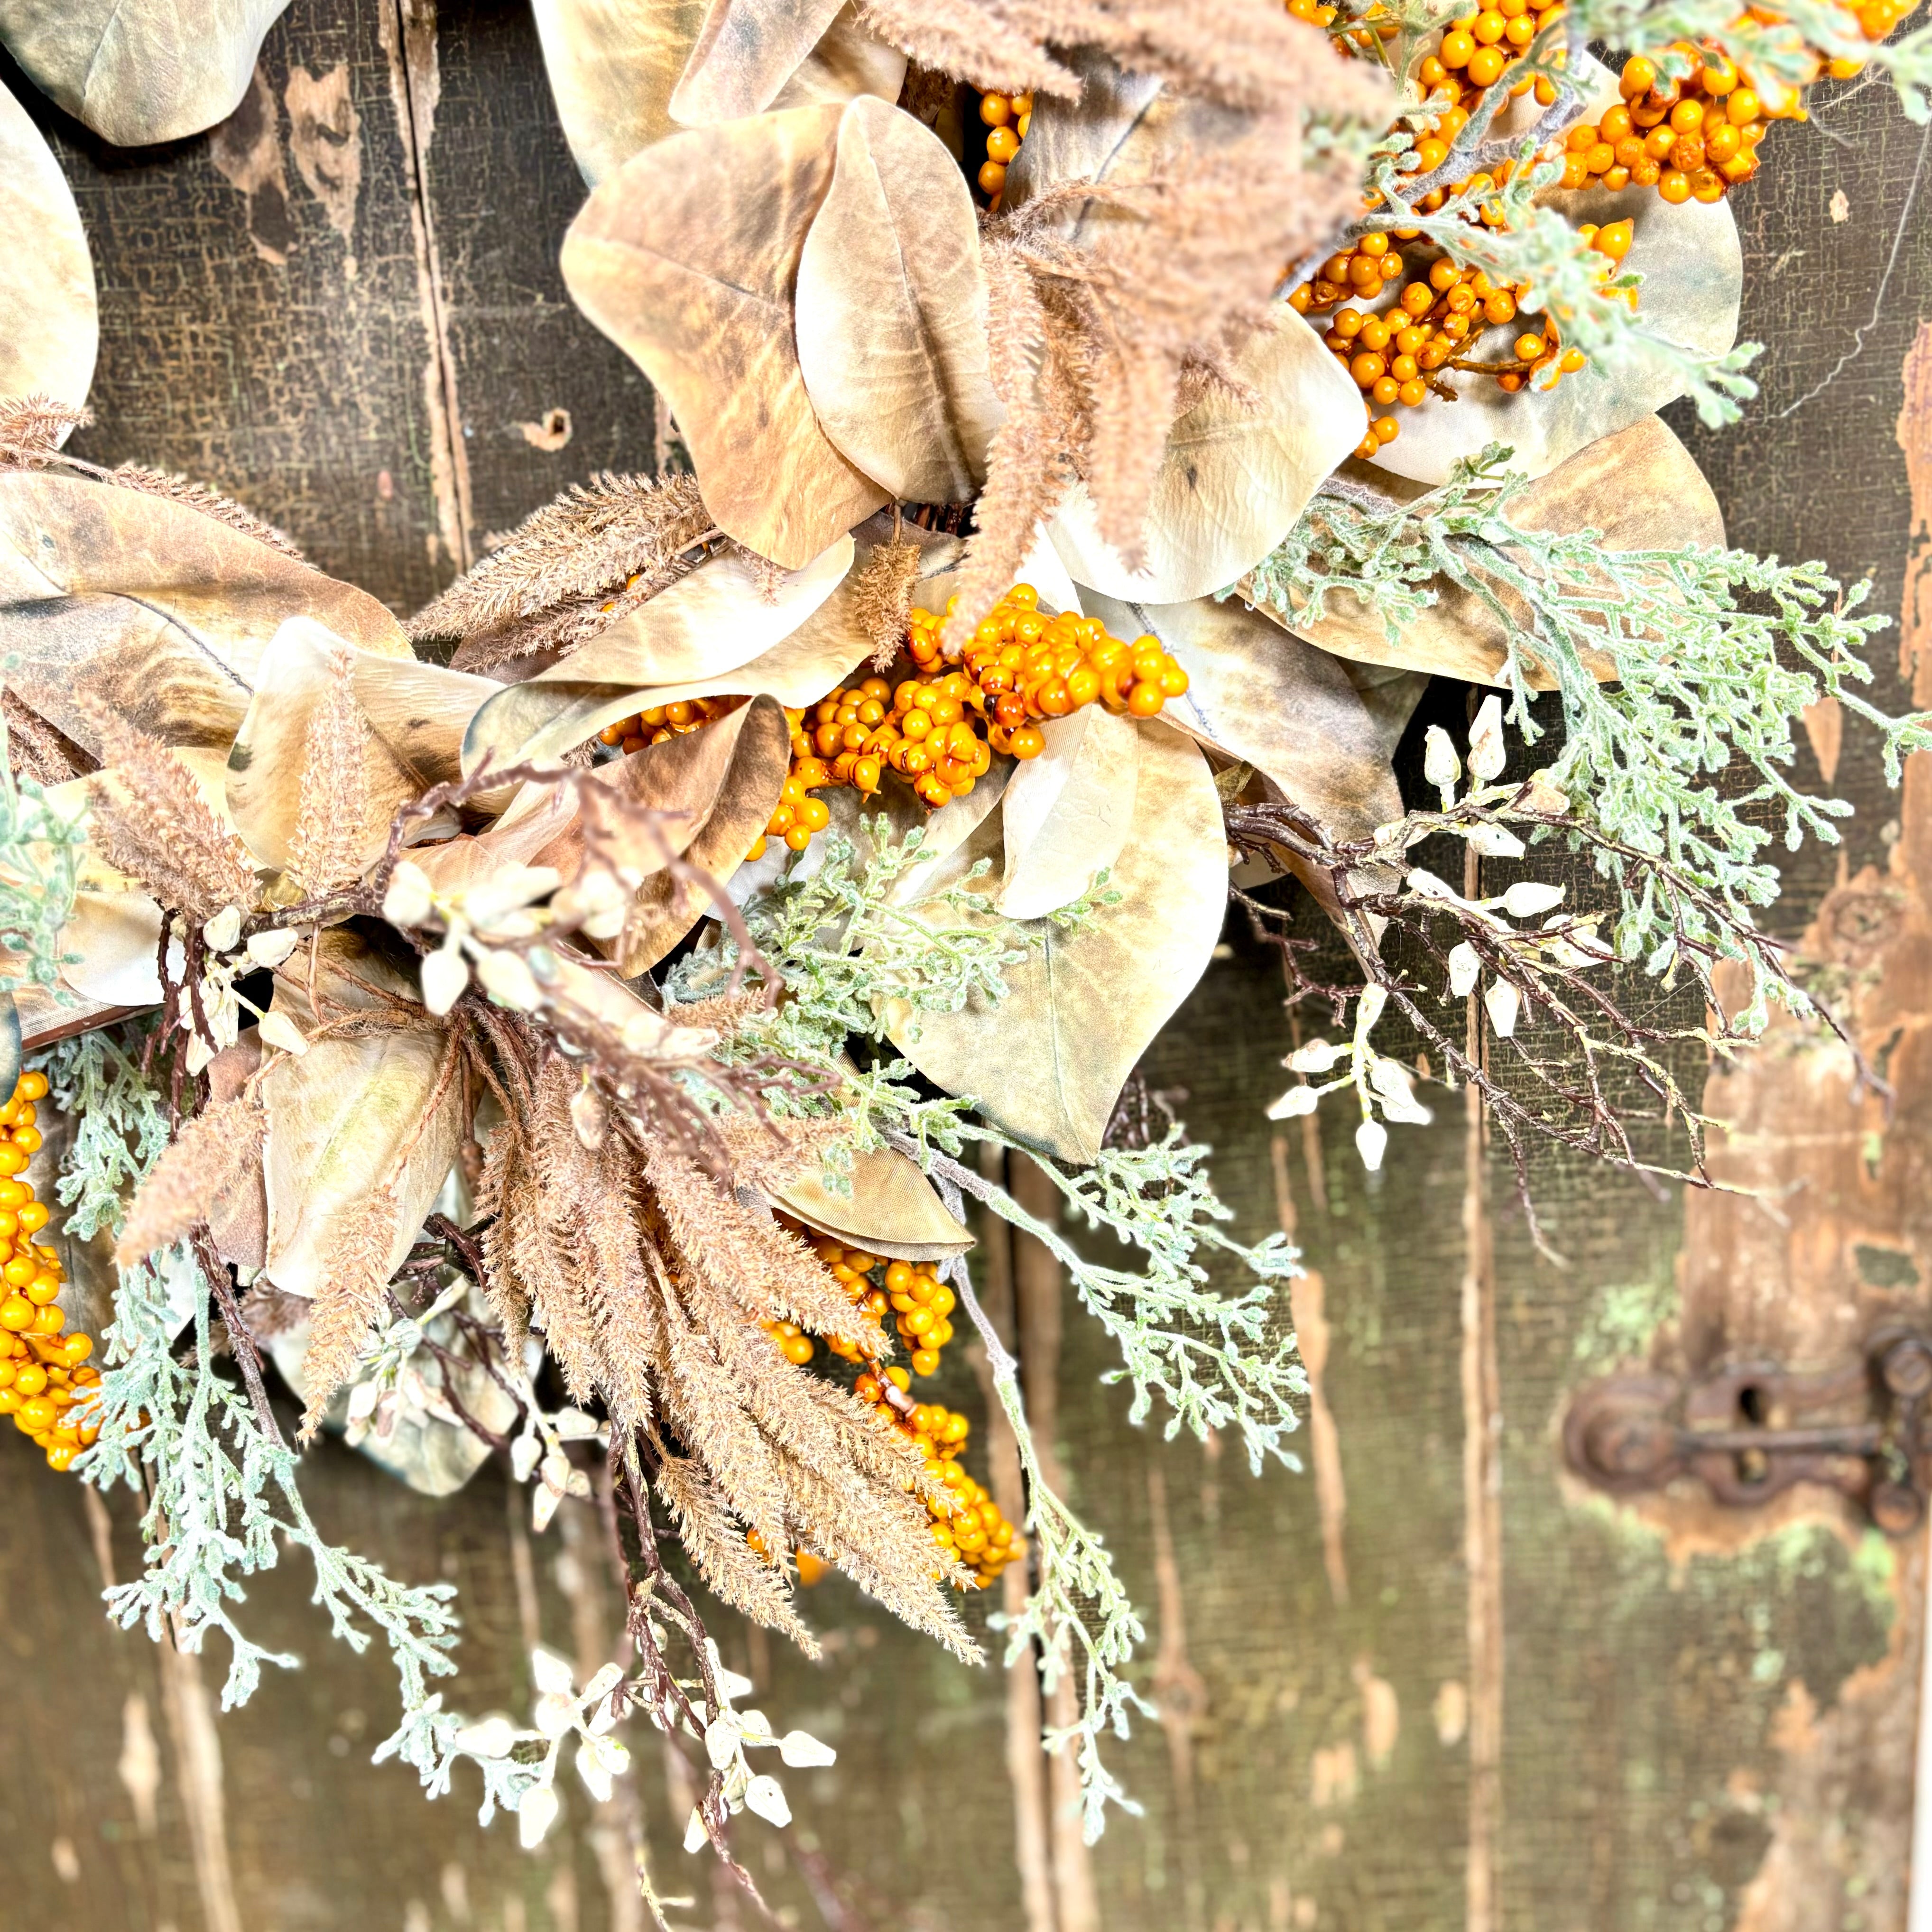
[{"x": 408, "y": 29}]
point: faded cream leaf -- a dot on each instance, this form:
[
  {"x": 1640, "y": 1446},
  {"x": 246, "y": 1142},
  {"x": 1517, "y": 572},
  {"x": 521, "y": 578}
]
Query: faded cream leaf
[
  {"x": 159, "y": 611},
  {"x": 695, "y": 635},
  {"x": 350, "y": 1115},
  {"x": 1641, "y": 489},
  {"x": 1295, "y": 715},
  {"x": 1275, "y": 702},
  {"x": 892, "y": 1210},
  {"x": 1692, "y": 268},
  {"x": 687, "y": 258},
  {"x": 613, "y": 64},
  {"x": 1047, "y": 1062},
  {"x": 1234, "y": 477},
  {"x": 1067, "y": 812},
  {"x": 891, "y": 311},
  {"x": 745, "y": 53},
  {"x": 140, "y": 73},
  {"x": 49, "y": 320}
]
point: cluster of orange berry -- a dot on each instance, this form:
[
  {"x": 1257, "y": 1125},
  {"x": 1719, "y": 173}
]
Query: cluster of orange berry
[
  {"x": 47, "y": 1384},
  {"x": 1007, "y": 117},
  {"x": 1025, "y": 665},
  {"x": 911, "y": 1290},
  {"x": 666, "y": 721},
  {"x": 974, "y": 1529},
  {"x": 940, "y": 728},
  {"x": 1692, "y": 139},
  {"x": 1393, "y": 357}
]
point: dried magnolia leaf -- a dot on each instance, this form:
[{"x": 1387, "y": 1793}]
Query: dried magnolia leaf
[
  {"x": 892, "y": 1210},
  {"x": 1640, "y": 489},
  {"x": 1047, "y": 1062},
  {"x": 1119, "y": 128},
  {"x": 118, "y": 936},
  {"x": 434, "y": 1456},
  {"x": 686, "y": 258},
  {"x": 136, "y": 73},
  {"x": 352, "y": 1114},
  {"x": 1235, "y": 476},
  {"x": 700, "y": 635},
  {"x": 745, "y": 53},
  {"x": 1276, "y": 702},
  {"x": 158, "y": 611},
  {"x": 891, "y": 312},
  {"x": 49, "y": 323},
  {"x": 612, "y": 65},
  {"x": 1693, "y": 269},
  {"x": 1068, "y": 812},
  {"x": 424, "y": 709},
  {"x": 1295, "y": 715},
  {"x": 719, "y": 788},
  {"x": 848, "y": 61}
]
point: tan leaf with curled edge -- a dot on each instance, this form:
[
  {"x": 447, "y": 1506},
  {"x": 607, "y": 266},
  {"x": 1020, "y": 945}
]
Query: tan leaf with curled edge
[
  {"x": 686, "y": 258},
  {"x": 1235, "y": 476},
  {"x": 353, "y": 1115},
  {"x": 891, "y": 311},
  {"x": 612, "y": 65},
  {"x": 1692, "y": 263},
  {"x": 849, "y": 60},
  {"x": 617, "y": 69},
  {"x": 745, "y": 53},
  {"x": 1047, "y": 1062},
  {"x": 702, "y": 633},
  {"x": 1067, "y": 813},
  {"x": 136, "y": 73},
  {"x": 892, "y": 1210},
  {"x": 1641, "y": 489},
  {"x": 50, "y": 321},
  {"x": 160, "y": 611},
  {"x": 716, "y": 788}
]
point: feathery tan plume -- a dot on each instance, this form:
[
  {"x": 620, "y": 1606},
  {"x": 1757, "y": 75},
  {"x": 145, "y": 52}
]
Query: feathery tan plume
[
  {"x": 199, "y": 497},
  {"x": 1029, "y": 462},
  {"x": 32, "y": 427},
  {"x": 211, "y": 1156},
  {"x": 34, "y": 749},
  {"x": 735, "y": 1572},
  {"x": 972, "y": 39},
  {"x": 882, "y": 599},
  {"x": 1123, "y": 326},
  {"x": 267, "y": 1311},
  {"x": 594, "y": 535},
  {"x": 745, "y": 1254},
  {"x": 887, "y": 1549},
  {"x": 152, "y": 823},
  {"x": 504, "y": 1157},
  {"x": 1243, "y": 53},
  {"x": 706, "y": 1404},
  {"x": 333, "y": 811},
  {"x": 346, "y": 1303}
]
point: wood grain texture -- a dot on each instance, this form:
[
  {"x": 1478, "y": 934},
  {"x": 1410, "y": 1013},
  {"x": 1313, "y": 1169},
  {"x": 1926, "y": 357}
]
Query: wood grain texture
[
  {"x": 1682, "y": 1701},
  {"x": 273, "y": 322}
]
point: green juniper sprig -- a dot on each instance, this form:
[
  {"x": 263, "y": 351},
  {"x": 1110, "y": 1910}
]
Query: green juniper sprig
[{"x": 1718, "y": 653}]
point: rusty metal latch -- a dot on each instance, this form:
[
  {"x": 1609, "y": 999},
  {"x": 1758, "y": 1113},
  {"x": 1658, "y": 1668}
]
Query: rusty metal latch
[{"x": 1748, "y": 1433}]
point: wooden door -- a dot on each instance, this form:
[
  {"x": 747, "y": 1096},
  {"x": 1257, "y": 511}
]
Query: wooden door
[{"x": 1434, "y": 1682}]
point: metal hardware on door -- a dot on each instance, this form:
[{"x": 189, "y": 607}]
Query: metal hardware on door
[{"x": 1748, "y": 1433}]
